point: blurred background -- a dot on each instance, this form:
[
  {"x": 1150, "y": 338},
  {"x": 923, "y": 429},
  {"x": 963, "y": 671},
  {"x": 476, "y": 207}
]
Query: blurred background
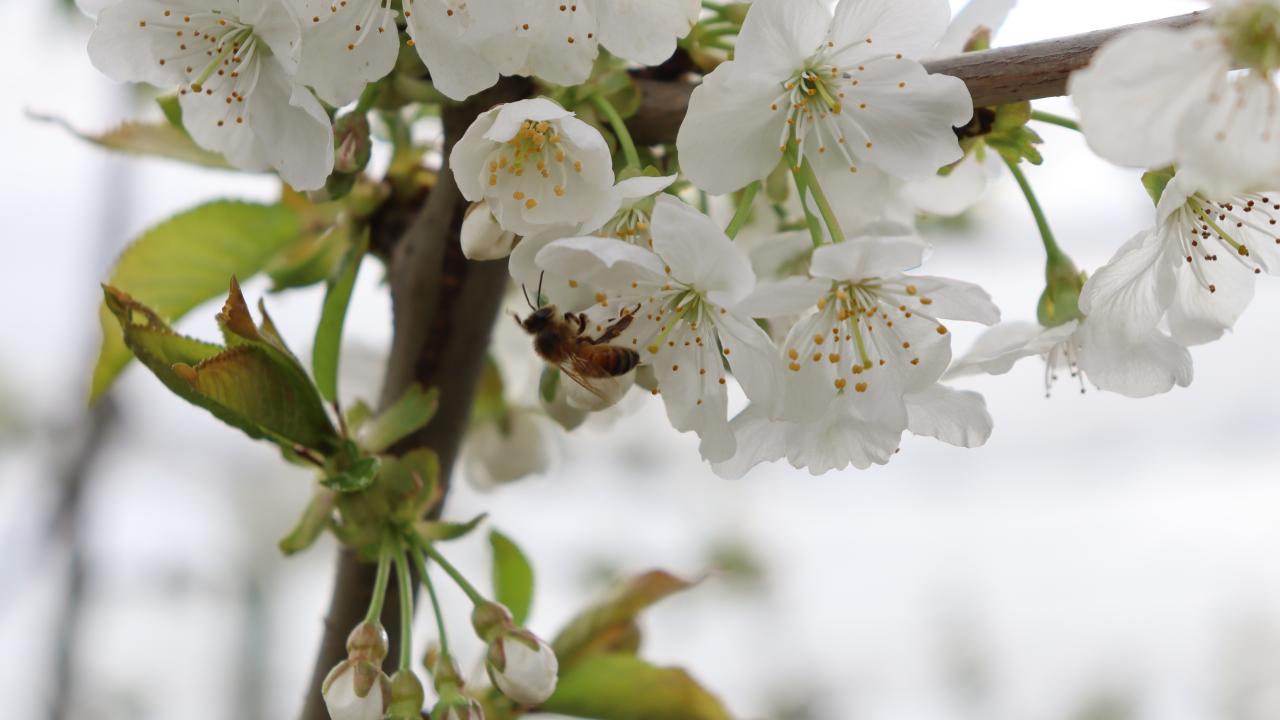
[{"x": 1099, "y": 559}]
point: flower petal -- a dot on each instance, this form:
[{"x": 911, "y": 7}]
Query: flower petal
[
  {"x": 731, "y": 136},
  {"x": 997, "y": 350},
  {"x": 1136, "y": 367},
  {"x": 752, "y": 357},
  {"x": 603, "y": 262},
  {"x": 953, "y": 194},
  {"x": 1132, "y": 291},
  {"x": 778, "y": 36},
  {"x": 458, "y": 68},
  {"x": 989, "y": 14},
  {"x": 759, "y": 439},
  {"x": 1231, "y": 141},
  {"x": 344, "y": 51},
  {"x": 1138, "y": 88},
  {"x": 790, "y": 296},
  {"x": 699, "y": 253},
  {"x": 953, "y": 300},
  {"x": 695, "y": 400},
  {"x": 1198, "y": 316},
  {"x": 955, "y": 417},
  {"x": 645, "y": 31},
  {"x": 910, "y": 27},
  {"x": 869, "y": 257}
]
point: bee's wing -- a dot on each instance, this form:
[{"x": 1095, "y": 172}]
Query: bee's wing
[{"x": 579, "y": 371}]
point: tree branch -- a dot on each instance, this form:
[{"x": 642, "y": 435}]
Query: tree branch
[
  {"x": 444, "y": 308},
  {"x": 995, "y": 77}
]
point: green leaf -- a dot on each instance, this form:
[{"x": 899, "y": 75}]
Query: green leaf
[
  {"x": 512, "y": 576},
  {"x": 328, "y": 344},
  {"x": 609, "y": 625},
  {"x": 436, "y": 530},
  {"x": 407, "y": 415},
  {"x": 252, "y": 385},
  {"x": 355, "y": 478},
  {"x": 186, "y": 261},
  {"x": 159, "y": 140},
  {"x": 624, "y": 687},
  {"x": 313, "y": 259}
]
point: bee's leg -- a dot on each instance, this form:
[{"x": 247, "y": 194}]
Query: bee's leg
[
  {"x": 580, "y": 319},
  {"x": 613, "y": 331}
]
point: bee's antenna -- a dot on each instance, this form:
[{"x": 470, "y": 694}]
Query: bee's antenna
[
  {"x": 540, "y": 278},
  {"x": 525, "y": 290}
]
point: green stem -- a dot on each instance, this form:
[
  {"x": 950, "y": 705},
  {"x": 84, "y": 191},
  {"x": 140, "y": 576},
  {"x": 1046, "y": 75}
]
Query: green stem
[
  {"x": 1050, "y": 118},
  {"x": 406, "y": 608},
  {"x": 1046, "y": 235},
  {"x": 368, "y": 97},
  {"x": 466, "y": 586},
  {"x": 435, "y": 600},
  {"x": 743, "y": 213},
  {"x": 802, "y": 187},
  {"x": 824, "y": 206},
  {"x": 619, "y": 130},
  {"x": 380, "y": 583}
]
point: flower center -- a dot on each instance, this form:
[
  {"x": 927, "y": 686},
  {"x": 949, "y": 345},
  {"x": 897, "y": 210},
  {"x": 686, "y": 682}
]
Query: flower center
[
  {"x": 535, "y": 148},
  {"x": 1221, "y": 226},
  {"x": 1252, "y": 35},
  {"x": 1064, "y": 354},
  {"x": 814, "y": 101}
]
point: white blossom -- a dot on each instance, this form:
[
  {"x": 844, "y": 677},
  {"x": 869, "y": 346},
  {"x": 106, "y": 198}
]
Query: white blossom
[
  {"x": 1155, "y": 97},
  {"x": 844, "y": 86},
  {"x": 1194, "y": 271},
  {"x": 681, "y": 296},
  {"x": 482, "y": 237},
  {"x": 536, "y": 164},
  {"x": 496, "y": 453},
  {"x": 865, "y": 362},
  {"x": 235, "y": 63},
  {"x": 1136, "y": 367},
  {"x": 345, "y": 703},
  {"x": 523, "y": 667},
  {"x": 345, "y": 46}
]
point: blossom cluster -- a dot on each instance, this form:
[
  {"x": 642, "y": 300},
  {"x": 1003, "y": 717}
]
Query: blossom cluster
[{"x": 838, "y": 339}]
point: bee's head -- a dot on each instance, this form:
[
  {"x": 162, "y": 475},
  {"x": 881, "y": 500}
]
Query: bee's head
[{"x": 539, "y": 319}]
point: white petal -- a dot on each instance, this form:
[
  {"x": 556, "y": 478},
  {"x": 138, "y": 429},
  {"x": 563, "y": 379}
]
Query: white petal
[
  {"x": 1139, "y": 87},
  {"x": 759, "y": 439},
  {"x": 997, "y": 350},
  {"x": 556, "y": 287},
  {"x": 458, "y": 68},
  {"x": 623, "y": 194},
  {"x": 791, "y": 296},
  {"x": 864, "y": 201},
  {"x": 953, "y": 300},
  {"x": 955, "y": 417},
  {"x": 869, "y": 257},
  {"x": 855, "y": 432},
  {"x": 778, "y": 36},
  {"x": 468, "y": 156},
  {"x": 337, "y": 59},
  {"x": 696, "y": 401},
  {"x": 989, "y": 14},
  {"x": 753, "y": 358},
  {"x": 1133, "y": 290},
  {"x": 645, "y": 31},
  {"x": 292, "y": 130},
  {"x": 953, "y": 194},
  {"x": 699, "y": 253},
  {"x": 512, "y": 116},
  {"x": 493, "y": 455},
  {"x": 1231, "y": 141},
  {"x": 603, "y": 262},
  {"x": 731, "y": 134},
  {"x": 900, "y": 118},
  {"x": 910, "y": 27},
  {"x": 275, "y": 23},
  {"x": 1197, "y": 315},
  {"x": 1137, "y": 367}
]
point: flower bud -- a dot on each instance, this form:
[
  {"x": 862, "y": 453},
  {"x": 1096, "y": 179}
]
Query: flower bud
[
  {"x": 522, "y": 667},
  {"x": 490, "y": 619},
  {"x": 482, "y": 237},
  {"x": 356, "y": 688},
  {"x": 407, "y": 696},
  {"x": 351, "y": 144}
]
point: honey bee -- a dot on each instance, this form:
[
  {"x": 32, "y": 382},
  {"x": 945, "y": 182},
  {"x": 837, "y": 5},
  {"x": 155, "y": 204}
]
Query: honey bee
[{"x": 562, "y": 341}]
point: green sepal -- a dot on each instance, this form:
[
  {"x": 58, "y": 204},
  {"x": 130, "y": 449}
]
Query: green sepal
[
  {"x": 171, "y": 108},
  {"x": 315, "y": 518},
  {"x": 609, "y": 625},
  {"x": 405, "y": 416},
  {"x": 625, "y": 687},
  {"x": 441, "y": 531},
  {"x": 512, "y": 576},
  {"x": 252, "y": 386},
  {"x": 549, "y": 384},
  {"x": 1155, "y": 181},
  {"x": 355, "y": 477}
]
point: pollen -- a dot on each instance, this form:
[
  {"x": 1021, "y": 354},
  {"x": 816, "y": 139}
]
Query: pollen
[
  {"x": 840, "y": 383},
  {"x": 860, "y": 387}
]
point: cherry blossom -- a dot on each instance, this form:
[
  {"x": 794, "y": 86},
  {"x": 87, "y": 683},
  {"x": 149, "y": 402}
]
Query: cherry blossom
[
  {"x": 234, "y": 62},
  {"x": 681, "y": 296},
  {"x": 1193, "y": 271},
  {"x": 346, "y": 45},
  {"x": 1155, "y": 97},
  {"x": 536, "y": 164},
  {"x": 842, "y": 87}
]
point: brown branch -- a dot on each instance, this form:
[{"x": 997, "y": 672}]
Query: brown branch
[
  {"x": 995, "y": 77},
  {"x": 444, "y": 308}
]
